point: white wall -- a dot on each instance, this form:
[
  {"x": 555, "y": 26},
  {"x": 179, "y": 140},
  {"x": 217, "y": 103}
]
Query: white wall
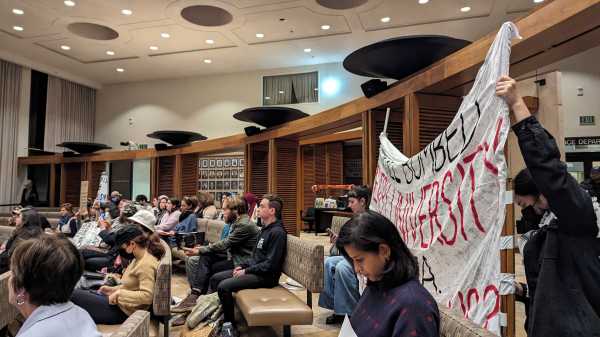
[{"x": 202, "y": 104}]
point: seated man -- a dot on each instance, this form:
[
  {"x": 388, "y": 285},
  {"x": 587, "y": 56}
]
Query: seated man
[
  {"x": 264, "y": 268},
  {"x": 340, "y": 290},
  {"x": 226, "y": 254}
]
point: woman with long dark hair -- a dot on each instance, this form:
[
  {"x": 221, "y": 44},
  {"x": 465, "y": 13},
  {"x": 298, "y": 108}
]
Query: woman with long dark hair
[
  {"x": 394, "y": 303},
  {"x": 28, "y": 225}
]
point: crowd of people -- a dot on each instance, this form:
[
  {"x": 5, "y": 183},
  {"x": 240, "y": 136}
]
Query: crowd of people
[{"x": 370, "y": 275}]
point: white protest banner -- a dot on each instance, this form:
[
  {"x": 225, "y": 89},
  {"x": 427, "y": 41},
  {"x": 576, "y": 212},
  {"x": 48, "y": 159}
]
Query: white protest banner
[
  {"x": 103, "y": 187},
  {"x": 448, "y": 200}
]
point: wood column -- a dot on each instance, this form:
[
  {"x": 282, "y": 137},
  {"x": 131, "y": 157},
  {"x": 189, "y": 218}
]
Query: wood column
[
  {"x": 272, "y": 167},
  {"x": 177, "y": 177},
  {"x": 410, "y": 125},
  {"x": 369, "y": 148},
  {"x": 63, "y": 184}
]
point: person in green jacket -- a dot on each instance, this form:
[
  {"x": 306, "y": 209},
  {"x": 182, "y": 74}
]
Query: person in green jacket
[{"x": 225, "y": 254}]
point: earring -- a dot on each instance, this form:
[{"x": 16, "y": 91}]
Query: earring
[{"x": 20, "y": 300}]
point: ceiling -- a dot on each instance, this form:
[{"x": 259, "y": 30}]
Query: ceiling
[{"x": 53, "y": 35}]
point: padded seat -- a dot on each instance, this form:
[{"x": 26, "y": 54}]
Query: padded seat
[{"x": 266, "y": 307}]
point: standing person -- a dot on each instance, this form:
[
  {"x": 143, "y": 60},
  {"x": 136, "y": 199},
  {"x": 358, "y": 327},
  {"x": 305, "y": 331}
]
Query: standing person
[
  {"x": 561, "y": 258},
  {"x": 112, "y": 305},
  {"x": 44, "y": 273},
  {"x": 394, "y": 303},
  {"x": 341, "y": 288},
  {"x": 264, "y": 267},
  {"x": 29, "y": 196}
]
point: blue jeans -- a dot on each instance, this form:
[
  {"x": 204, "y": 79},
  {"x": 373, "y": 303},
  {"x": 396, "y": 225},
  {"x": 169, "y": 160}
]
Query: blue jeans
[{"x": 340, "y": 291}]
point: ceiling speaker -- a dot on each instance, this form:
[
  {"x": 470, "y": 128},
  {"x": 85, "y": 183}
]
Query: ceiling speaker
[{"x": 251, "y": 130}]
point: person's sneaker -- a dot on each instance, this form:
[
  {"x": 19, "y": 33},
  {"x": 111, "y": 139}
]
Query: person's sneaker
[
  {"x": 186, "y": 305},
  {"x": 334, "y": 319},
  {"x": 180, "y": 320}
]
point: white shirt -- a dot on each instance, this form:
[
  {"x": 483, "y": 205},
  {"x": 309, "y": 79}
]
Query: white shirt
[{"x": 59, "y": 320}]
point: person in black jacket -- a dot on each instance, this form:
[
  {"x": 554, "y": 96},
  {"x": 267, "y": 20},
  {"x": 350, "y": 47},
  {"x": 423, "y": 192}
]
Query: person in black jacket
[
  {"x": 264, "y": 267},
  {"x": 561, "y": 259}
]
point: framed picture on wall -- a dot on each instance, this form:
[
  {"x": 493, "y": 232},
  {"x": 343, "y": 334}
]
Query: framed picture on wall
[
  {"x": 241, "y": 175},
  {"x": 234, "y": 162},
  {"x": 226, "y": 185},
  {"x": 203, "y": 174},
  {"x": 219, "y": 162},
  {"x": 219, "y": 185},
  {"x": 204, "y": 185},
  {"x": 227, "y": 162},
  {"x": 211, "y": 163},
  {"x": 219, "y": 174},
  {"x": 226, "y": 174},
  {"x": 211, "y": 185},
  {"x": 241, "y": 162},
  {"x": 218, "y": 197},
  {"x": 234, "y": 174},
  {"x": 211, "y": 174},
  {"x": 234, "y": 185},
  {"x": 204, "y": 163}
]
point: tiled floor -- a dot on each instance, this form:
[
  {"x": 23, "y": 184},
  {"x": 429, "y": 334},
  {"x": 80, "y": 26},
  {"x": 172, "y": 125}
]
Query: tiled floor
[{"x": 319, "y": 328}]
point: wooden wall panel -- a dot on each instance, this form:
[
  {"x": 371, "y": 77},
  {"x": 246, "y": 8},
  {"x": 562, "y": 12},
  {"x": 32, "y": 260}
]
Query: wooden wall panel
[
  {"x": 259, "y": 168},
  {"x": 436, "y": 113},
  {"x": 165, "y": 175},
  {"x": 334, "y": 163},
  {"x": 97, "y": 167},
  {"x": 320, "y": 160},
  {"x": 189, "y": 174},
  {"x": 308, "y": 178},
  {"x": 72, "y": 182},
  {"x": 286, "y": 183},
  {"x": 394, "y": 129}
]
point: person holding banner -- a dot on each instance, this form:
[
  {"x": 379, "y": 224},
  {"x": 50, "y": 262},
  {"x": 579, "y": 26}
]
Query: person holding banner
[
  {"x": 394, "y": 304},
  {"x": 561, "y": 259}
]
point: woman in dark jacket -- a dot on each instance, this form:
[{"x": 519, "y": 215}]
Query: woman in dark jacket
[
  {"x": 28, "y": 225},
  {"x": 394, "y": 303},
  {"x": 561, "y": 259}
]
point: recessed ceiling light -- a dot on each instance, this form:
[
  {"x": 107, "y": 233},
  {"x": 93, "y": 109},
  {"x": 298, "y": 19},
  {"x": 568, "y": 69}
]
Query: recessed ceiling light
[
  {"x": 281, "y": 91},
  {"x": 325, "y": 27},
  {"x": 538, "y": 1},
  {"x": 65, "y": 47},
  {"x": 165, "y": 35},
  {"x": 126, "y": 11},
  {"x": 120, "y": 70},
  {"x": 422, "y": 2},
  {"x": 153, "y": 48},
  {"x": 267, "y": 97},
  {"x": 307, "y": 50},
  {"x": 69, "y": 3},
  {"x": 465, "y": 9},
  {"x": 18, "y": 28},
  {"x": 385, "y": 19},
  {"x": 18, "y": 11},
  {"x": 209, "y": 41},
  {"x": 207, "y": 61},
  {"x": 110, "y": 52},
  {"x": 260, "y": 35}
]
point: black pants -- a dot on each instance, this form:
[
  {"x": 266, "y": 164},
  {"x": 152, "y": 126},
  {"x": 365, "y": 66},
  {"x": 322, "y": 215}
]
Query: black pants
[
  {"x": 94, "y": 260},
  {"x": 97, "y": 306},
  {"x": 200, "y": 268},
  {"x": 226, "y": 285}
]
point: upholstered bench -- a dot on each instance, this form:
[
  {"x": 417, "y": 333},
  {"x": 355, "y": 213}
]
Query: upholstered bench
[
  {"x": 212, "y": 228},
  {"x": 137, "y": 325},
  {"x": 279, "y": 306}
]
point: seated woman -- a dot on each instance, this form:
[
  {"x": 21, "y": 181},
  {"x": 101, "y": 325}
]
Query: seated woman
[
  {"x": 44, "y": 273},
  {"x": 112, "y": 305},
  {"x": 170, "y": 218},
  {"x": 187, "y": 224},
  {"x": 376, "y": 250},
  {"x": 28, "y": 224},
  {"x": 206, "y": 206},
  {"x": 67, "y": 224}
]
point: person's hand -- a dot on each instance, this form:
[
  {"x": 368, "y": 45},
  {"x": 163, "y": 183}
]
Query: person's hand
[
  {"x": 114, "y": 298},
  {"x": 107, "y": 290},
  {"x": 506, "y": 88},
  {"x": 237, "y": 272},
  {"x": 171, "y": 233},
  {"x": 332, "y": 237},
  {"x": 191, "y": 251},
  {"x": 161, "y": 232}
]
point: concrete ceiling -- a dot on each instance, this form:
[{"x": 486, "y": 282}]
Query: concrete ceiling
[{"x": 53, "y": 34}]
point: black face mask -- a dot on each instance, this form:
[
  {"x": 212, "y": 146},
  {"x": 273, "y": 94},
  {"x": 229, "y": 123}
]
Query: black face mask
[{"x": 124, "y": 254}]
